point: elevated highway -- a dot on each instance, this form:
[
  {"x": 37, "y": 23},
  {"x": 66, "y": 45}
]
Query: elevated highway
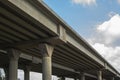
[{"x": 34, "y": 38}]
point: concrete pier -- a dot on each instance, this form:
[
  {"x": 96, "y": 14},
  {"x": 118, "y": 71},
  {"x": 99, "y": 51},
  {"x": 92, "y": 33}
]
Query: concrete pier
[
  {"x": 27, "y": 72},
  {"x": 112, "y": 78},
  {"x": 46, "y": 51},
  {"x": 13, "y": 63},
  {"x": 99, "y": 73},
  {"x": 82, "y": 76}
]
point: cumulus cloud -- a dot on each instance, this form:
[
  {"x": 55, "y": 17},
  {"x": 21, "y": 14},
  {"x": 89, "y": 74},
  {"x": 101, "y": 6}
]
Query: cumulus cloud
[
  {"x": 108, "y": 32},
  {"x": 84, "y": 2},
  {"x": 106, "y": 35},
  {"x": 111, "y": 54},
  {"x": 111, "y": 27}
]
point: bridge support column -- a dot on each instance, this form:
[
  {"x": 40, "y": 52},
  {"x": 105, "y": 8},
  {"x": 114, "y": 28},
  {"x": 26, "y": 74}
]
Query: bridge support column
[
  {"x": 75, "y": 78},
  {"x": 46, "y": 50},
  {"x": 27, "y": 72},
  {"x": 62, "y": 78},
  {"x": 6, "y": 70},
  {"x": 13, "y": 64},
  {"x": 99, "y": 73},
  {"x": 112, "y": 78},
  {"x": 82, "y": 76}
]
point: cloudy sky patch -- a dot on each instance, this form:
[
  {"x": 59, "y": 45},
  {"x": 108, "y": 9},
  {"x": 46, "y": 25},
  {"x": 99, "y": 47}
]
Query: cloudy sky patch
[
  {"x": 108, "y": 32},
  {"x": 106, "y": 35},
  {"x": 84, "y": 2}
]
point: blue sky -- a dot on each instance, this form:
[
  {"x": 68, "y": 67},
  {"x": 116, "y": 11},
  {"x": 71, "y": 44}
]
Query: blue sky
[{"x": 83, "y": 18}]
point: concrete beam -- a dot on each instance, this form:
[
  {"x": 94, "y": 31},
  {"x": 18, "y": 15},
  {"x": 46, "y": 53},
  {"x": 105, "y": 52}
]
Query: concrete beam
[
  {"x": 60, "y": 39},
  {"x": 80, "y": 47},
  {"x": 107, "y": 67},
  {"x": 62, "y": 33},
  {"x": 37, "y": 60},
  {"x": 93, "y": 76},
  {"x": 33, "y": 11}
]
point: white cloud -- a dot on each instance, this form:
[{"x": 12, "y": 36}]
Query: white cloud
[
  {"x": 106, "y": 35},
  {"x": 111, "y": 54},
  {"x": 109, "y": 31},
  {"x": 85, "y": 2},
  {"x": 111, "y": 27}
]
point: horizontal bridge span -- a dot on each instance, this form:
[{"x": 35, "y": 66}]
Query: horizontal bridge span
[
  {"x": 80, "y": 47},
  {"x": 26, "y": 24}
]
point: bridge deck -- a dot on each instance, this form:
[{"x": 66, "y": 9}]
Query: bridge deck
[{"x": 26, "y": 24}]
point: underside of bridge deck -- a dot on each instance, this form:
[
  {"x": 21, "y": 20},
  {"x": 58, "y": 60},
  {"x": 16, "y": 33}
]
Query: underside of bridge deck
[{"x": 34, "y": 38}]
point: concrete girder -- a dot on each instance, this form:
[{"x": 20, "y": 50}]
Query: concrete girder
[
  {"x": 73, "y": 42},
  {"x": 37, "y": 16},
  {"x": 33, "y": 11},
  {"x": 86, "y": 74},
  {"x": 110, "y": 69},
  {"x": 37, "y": 60},
  {"x": 51, "y": 26}
]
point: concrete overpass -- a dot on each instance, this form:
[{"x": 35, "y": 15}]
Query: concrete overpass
[{"x": 34, "y": 38}]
